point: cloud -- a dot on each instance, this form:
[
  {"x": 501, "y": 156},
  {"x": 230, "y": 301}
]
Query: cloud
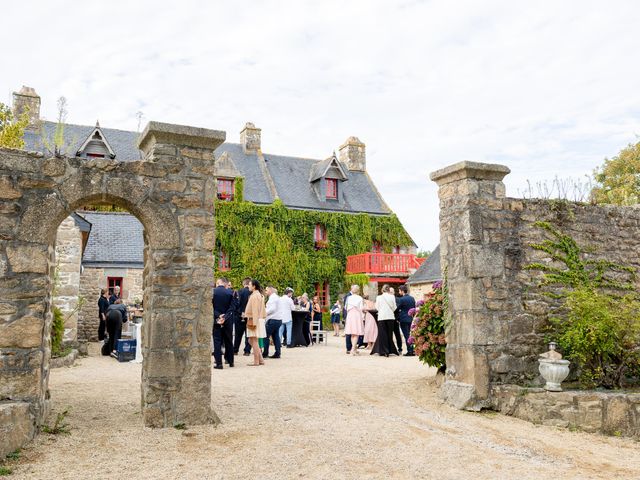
[{"x": 545, "y": 87}]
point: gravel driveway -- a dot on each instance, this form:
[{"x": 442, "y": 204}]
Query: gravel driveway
[{"x": 315, "y": 413}]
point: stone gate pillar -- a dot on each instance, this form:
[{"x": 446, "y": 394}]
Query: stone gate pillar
[
  {"x": 176, "y": 338},
  {"x": 473, "y": 259}
]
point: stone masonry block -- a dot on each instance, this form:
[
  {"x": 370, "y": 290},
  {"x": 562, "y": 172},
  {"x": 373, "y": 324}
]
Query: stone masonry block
[{"x": 28, "y": 258}]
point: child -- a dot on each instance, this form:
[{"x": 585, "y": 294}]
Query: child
[{"x": 335, "y": 318}]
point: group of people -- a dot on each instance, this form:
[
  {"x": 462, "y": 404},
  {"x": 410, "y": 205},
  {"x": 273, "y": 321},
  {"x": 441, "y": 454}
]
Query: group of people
[
  {"x": 361, "y": 329},
  {"x": 244, "y": 313},
  {"x": 112, "y": 313}
]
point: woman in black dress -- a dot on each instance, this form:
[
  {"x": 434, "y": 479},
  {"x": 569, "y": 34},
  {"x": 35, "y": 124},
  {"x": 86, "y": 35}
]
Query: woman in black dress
[{"x": 103, "y": 305}]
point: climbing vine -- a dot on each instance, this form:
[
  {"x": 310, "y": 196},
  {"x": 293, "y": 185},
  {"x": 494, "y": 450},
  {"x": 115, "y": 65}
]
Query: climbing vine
[
  {"x": 276, "y": 244},
  {"x": 571, "y": 269},
  {"x": 598, "y": 324}
]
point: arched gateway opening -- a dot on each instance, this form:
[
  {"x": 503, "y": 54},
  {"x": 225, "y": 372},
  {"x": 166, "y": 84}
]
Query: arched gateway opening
[{"x": 171, "y": 192}]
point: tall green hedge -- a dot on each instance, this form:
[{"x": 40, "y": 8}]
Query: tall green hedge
[{"x": 276, "y": 244}]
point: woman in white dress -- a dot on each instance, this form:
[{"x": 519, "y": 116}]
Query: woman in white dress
[{"x": 354, "y": 322}]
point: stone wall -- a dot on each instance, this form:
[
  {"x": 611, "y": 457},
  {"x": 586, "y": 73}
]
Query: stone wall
[
  {"x": 589, "y": 411},
  {"x": 92, "y": 280},
  {"x": 171, "y": 192},
  {"x": 498, "y": 314},
  {"x": 68, "y": 259}
]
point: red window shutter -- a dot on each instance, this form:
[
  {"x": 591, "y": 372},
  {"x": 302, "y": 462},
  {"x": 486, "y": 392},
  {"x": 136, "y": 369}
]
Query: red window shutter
[
  {"x": 325, "y": 298},
  {"x": 320, "y": 233},
  {"x": 332, "y": 188}
]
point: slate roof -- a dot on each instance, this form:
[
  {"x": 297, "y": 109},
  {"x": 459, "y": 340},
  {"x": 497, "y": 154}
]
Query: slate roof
[
  {"x": 429, "y": 271},
  {"x": 81, "y": 222},
  {"x": 290, "y": 175},
  {"x": 115, "y": 240},
  {"x": 122, "y": 142}
]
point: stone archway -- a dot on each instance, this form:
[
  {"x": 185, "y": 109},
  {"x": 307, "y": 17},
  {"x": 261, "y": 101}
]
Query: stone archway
[{"x": 171, "y": 192}]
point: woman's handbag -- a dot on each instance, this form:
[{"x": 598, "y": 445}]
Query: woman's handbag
[{"x": 262, "y": 328}]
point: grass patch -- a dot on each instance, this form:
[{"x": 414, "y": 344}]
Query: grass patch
[
  {"x": 180, "y": 426},
  {"x": 14, "y": 455},
  {"x": 5, "y": 471},
  {"x": 62, "y": 353},
  {"x": 59, "y": 426}
]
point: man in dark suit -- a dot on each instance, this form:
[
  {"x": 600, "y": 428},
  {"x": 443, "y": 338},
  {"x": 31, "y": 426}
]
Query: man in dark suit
[
  {"x": 405, "y": 302},
  {"x": 241, "y": 323},
  {"x": 222, "y": 323}
]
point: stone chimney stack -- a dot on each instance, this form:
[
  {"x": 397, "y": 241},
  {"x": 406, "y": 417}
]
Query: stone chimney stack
[
  {"x": 250, "y": 138},
  {"x": 27, "y": 98},
  {"x": 353, "y": 154}
]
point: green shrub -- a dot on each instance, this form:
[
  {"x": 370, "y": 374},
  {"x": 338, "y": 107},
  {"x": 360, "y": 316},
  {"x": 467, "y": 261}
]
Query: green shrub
[
  {"x": 57, "y": 331},
  {"x": 599, "y": 326},
  {"x": 428, "y": 328},
  {"x": 601, "y": 334}
]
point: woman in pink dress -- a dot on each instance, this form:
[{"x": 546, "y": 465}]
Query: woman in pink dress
[
  {"x": 370, "y": 326},
  {"x": 353, "y": 324}
]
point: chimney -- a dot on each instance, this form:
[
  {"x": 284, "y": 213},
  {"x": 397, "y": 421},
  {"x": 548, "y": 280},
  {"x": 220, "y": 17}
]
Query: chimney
[
  {"x": 352, "y": 154},
  {"x": 250, "y": 138},
  {"x": 27, "y": 98}
]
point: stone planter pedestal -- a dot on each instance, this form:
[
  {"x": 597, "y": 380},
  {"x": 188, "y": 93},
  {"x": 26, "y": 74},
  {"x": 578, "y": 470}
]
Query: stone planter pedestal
[
  {"x": 554, "y": 372},
  {"x": 553, "y": 368}
]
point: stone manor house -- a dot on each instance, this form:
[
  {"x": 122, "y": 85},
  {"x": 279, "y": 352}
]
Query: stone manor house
[{"x": 100, "y": 249}]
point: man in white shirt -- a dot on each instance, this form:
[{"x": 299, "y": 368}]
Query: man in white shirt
[
  {"x": 286, "y": 307},
  {"x": 274, "y": 322}
]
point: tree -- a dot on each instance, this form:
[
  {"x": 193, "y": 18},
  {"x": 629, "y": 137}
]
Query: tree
[
  {"x": 12, "y": 129},
  {"x": 423, "y": 253},
  {"x": 618, "y": 179}
]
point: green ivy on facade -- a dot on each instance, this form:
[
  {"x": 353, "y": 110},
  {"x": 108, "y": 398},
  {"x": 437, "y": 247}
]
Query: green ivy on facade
[{"x": 276, "y": 245}]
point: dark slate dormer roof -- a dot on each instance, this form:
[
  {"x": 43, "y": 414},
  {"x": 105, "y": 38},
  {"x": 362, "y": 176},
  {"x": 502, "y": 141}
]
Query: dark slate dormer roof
[
  {"x": 320, "y": 169},
  {"x": 116, "y": 240},
  {"x": 284, "y": 176},
  {"x": 429, "y": 271}
]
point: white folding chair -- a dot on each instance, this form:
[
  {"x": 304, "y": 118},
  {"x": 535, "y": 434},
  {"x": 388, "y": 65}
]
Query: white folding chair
[{"x": 317, "y": 332}]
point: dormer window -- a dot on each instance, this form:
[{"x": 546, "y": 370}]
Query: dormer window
[
  {"x": 326, "y": 177},
  {"x": 320, "y": 237},
  {"x": 226, "y": 189},
  {"x": 96, "y": 146},
  {"x": 332, "y": 188}
]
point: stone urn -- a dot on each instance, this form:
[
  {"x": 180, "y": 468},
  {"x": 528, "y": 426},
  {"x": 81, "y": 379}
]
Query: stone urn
[{"x": 553, "y": 368}]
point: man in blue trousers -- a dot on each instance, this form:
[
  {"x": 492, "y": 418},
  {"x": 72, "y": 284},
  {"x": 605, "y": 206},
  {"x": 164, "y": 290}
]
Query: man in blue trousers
[
  {"x": 405, "y": 303},
  {"x": 223, "y": 312}
]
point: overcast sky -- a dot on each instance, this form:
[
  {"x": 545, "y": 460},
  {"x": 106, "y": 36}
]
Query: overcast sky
[{"x": 546, "y": 88}]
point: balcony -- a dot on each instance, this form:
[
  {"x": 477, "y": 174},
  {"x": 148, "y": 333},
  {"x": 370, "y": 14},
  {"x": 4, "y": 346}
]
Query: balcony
[{"x": 388, "y": 264}]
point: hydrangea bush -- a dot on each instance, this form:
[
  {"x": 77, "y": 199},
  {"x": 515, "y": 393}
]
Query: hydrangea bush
[{"x": 428, "y": 328}]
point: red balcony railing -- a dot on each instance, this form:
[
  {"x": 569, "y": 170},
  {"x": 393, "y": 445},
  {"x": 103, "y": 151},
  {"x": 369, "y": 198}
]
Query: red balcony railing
[{"x": 376, "y": 263}]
